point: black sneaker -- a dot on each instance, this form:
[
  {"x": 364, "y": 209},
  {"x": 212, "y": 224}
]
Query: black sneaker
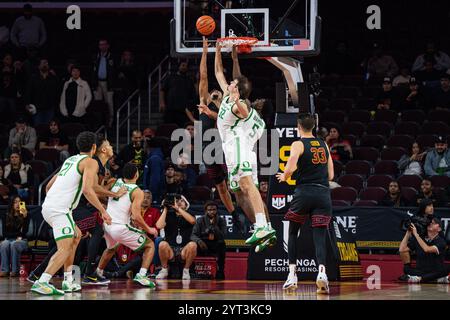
[
  {"x": 32, "y": 277},
  {"x": 403, "y": 277},
  {"x": 96, "y": 280}
]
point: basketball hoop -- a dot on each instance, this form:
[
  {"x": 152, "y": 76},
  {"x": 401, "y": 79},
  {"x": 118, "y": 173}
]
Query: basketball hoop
[{"x": 244, "y": 44}]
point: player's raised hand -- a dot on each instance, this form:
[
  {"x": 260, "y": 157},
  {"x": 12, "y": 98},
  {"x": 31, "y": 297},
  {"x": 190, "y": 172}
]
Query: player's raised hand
[
  {"x": 234, "y": 93},
  {"x": 204, "y": 109},
  {"x": 281, "y": 177}
]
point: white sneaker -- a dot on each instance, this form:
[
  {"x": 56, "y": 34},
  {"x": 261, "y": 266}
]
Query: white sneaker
[
  {"x": 291, "y": 282},
  {"x": 322, "y": 283},
  {"x": 186, "y": 275},
  {"x": 413, "y": 279},
  {"x": 163, "y": 274},
  {"x": 443, "y": 280}
]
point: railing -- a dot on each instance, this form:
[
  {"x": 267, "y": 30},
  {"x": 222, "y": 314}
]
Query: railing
[
  {"x": 44, "y": 183},
  {"x": 130, "y": 112},
  {"x": 157, "y": 83}
]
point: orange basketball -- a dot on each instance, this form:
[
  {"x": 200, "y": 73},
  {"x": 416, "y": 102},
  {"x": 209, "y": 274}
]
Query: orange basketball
[{"x": 205, "y": 25}]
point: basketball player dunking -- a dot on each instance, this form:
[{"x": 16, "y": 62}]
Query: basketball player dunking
[{"x": 311, "y": 157}]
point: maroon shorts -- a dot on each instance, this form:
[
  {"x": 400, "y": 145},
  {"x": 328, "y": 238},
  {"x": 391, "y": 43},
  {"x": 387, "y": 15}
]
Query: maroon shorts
[{"x": 217, "y": 172}]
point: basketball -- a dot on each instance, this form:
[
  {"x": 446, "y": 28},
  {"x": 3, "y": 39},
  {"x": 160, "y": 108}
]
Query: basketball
[{"x": 205, "y": 25}]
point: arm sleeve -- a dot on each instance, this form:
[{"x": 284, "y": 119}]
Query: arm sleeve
[
  {"x": 403, "y": 162},
  {"x": 31, "y": 143},
  {"x": 429, "y": 171}
]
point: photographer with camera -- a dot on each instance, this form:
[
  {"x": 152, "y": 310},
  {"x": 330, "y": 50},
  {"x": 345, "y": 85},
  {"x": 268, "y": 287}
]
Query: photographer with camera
[
  {"x": 208, "y": 236},
  {"x": 177, "y": 223},
  {"x": 424, "y": 237}
]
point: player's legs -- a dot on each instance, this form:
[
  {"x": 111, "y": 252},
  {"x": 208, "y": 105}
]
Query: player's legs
[
  {"x": 68, "y": 285},
  {"x": 165, "y": 255},
  {"x": 244, "y": 205},
  {"x": 147, "y": 257},
  {"x": 188, "y": 254}
]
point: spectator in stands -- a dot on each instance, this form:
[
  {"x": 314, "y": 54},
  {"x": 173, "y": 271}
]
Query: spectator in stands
[
  {"x": 55, "y": 139},
  {"x": 427, "y": 192},
  {"x": 189, "y": 127},
  {"x": 15, "y": 228},
  {"x": 185, "y": 166},
  {"x": 177, "y": 95},
  {"x": 114, "y": 168},
  {"x": 68, "y": 74},
  {"x": 340, "y": 149},
  {"x": 442, "y": 94},
  {"x": 430, "y": 252},
  {"x": 173, "y": 181},
  {"x": 134, "y": 153},
  {"x": 394, "y": 197},
  {"x": 127, "y": 75},
  {"x": 437, "y": 162},
  {"x": 104, "y": 77},
  {"x": 403, "y": 79},
  {"x": 20, "y": 175},
  {"x": 415, "y": 98},
  {"x": 42, "y": 94},
  {"x": 429, "y": 76},
  {"x": 6, "y": 188},
  {"x": 8, "y": 95},
  {"x": 441, "y": 58},
  {"x": 412, "y": 163},
  {"x": 21, "y": 136},
  {"x": 75, "y": 97},
  {"x": 154, "y": 170},
  {"x": 177, "y": 223},
  {"x": 28, "y": 30},
  {"x": 208, "y": 236},
  {"x": 381, "y": 64},
  {"x": 148, "y": 134},
  {"x": 263, "y": 189},
  {"x": 389, "y": 98}
]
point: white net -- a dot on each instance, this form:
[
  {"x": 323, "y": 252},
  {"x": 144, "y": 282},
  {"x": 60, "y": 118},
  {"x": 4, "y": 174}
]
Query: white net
[{"x": 233, "y": 40}]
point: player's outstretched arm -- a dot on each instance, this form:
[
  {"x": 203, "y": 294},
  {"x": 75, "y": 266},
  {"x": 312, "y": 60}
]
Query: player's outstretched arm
[
  {"x": 239, "y": 106},
  {"x": 137, "y": 197},
  {"x": 297, "y": 149},
  {"x": 50, "y": 183},
  {"x": 218, "y": 66},
  {"x": 105, "y": 192},
  {"x": 203, "y": 85},
  {"x": 89, "y": 181},
  {"x": 236, "y": 67}
]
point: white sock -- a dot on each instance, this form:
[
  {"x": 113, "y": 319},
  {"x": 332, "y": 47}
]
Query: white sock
[
  {"x": 186, "y": 270},
  {"x": 45, "y": 277},
  {"x": 260, "y": 220},
  {"x": 68, "y": 276},
  {"x": 321, "y": 268},
  {"x": 100, "y": 272},
  {"x": 143, "y": 272},
  {"x": 292, "y": 268}
]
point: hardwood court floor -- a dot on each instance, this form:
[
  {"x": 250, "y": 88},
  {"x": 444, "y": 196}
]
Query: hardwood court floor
[{"x": 19, "y": 289}]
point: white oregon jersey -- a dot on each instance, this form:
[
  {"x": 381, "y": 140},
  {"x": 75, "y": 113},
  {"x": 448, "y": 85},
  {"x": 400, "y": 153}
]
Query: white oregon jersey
[
  {"x": 120, "y": 208},
  {"x": 65, "y": 192},
  {"x": 228, "y": 123},
  {"x": 253, "y": 127}
]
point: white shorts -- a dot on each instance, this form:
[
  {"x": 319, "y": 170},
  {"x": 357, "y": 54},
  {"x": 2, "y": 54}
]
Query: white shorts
[
  {"x": 125, "y": 234},
  {"x": 62, "y": 224},
  {"x": 241, "y": 161}
]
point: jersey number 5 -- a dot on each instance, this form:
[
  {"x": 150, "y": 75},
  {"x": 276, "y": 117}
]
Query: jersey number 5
[{"x": 319, "y": 155}]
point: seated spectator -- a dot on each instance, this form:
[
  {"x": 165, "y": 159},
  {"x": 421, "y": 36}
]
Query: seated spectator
[
  {"x": 394, "y": 197},
  {"x": 415, "y": 97},
  {"x": 340, "y": 149},
  {"x": 177, "y": 223},
  {"x": 390, "y": 97},
  {"x": 430, "y": 252},
  {"x": 427, "y": 192},
  {"x": 381, "y": 64},
  {"x": 22, "y": 136},
  {"x": 133, "y": 153},
  {"x": 154, "y": 170},
  {"x": 441, "y": 96},
  {"x": 441, "y": 58},
  {"x": 55, "y": 139},
  {"x": 172, "y": 183},
  {"x": 75, "y": 97},
  {"x": 20, "y": 175},
  {"x": 15, "y": 228},
  {"x": 437, "y": 162},
  {"x": 187, "y": 169},
  {"x": 412, "y": 163},
  {"x": 208, "y": 236},
  {"x": 429, "y": 76},
  {"x": 4, "y": 193},
  {"x": 403, "y": 79}
]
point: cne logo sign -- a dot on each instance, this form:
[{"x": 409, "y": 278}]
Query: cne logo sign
[{"x": 278, "y": 201}]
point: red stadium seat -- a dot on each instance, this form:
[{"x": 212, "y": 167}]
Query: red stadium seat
[
  {"x": 440, "y": 181},
  {"x": 344, "y": 104},
  {"x": 414, "y": 115},
  {"x": 386, "y": 115},
  {"x": 439, "y": 115},
  {"x": 393, "y": 153},
  {"x": 380, "y": 180},
  {"x": 338, "y": 168},
  {"x": 379, "y": 127},
  {"x": 403, "y": 141},
  {"x": 373, "y": 140},
  {"x": 359, "y": 115},
  {"x": 365, "y": 203},
  {"x": 351, "y": 180},
  {"x": 333, "y": 116},
  {"x": 204, "y": 180},
  {"x": 389, "y": 167},
  {"x": 348, "y": 92},
  {"x": 407, "y": 127},
  {"x": 373, "y": 193},
  {"x": 344, "y": 193},
  {"x": 361, "y": 167},
  {"x": 365, "y": 103},
  {"x": 366, "y": 153},
  {"x": 199, "y": 194},
  {"x": 356, "y": 128},
  {"x": 412, "y": 181},
  {"x": 352, "y": 139},
  {"x": 340, "y": 203},
  {"x": 48, "y": 155},
  {"x": 436, "y": 127},
  {"x": 409, "y": 194}
]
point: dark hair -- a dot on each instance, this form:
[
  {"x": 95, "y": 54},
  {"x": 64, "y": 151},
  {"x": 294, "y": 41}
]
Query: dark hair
[
  {"x": 423, "y": 204},
  {"x": 306, "y": 121},
  {"x": 56, "y": 121},
  {"x": 11, "y": 218},
  {"x": 189, "y": 123},
  {"x": 100, "y": 139},
  {"x": 210, "y": 203},
  {"x": 244, "y": 86},
  {"x": 410, "y": 148},
  {"x": 86, "y": 140},
  {"x": 129, "y": 171},
  {"x": 338, "y": 129},
  {"x": 75, "y": 66},
  {"x": 27, "y": 7}
]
